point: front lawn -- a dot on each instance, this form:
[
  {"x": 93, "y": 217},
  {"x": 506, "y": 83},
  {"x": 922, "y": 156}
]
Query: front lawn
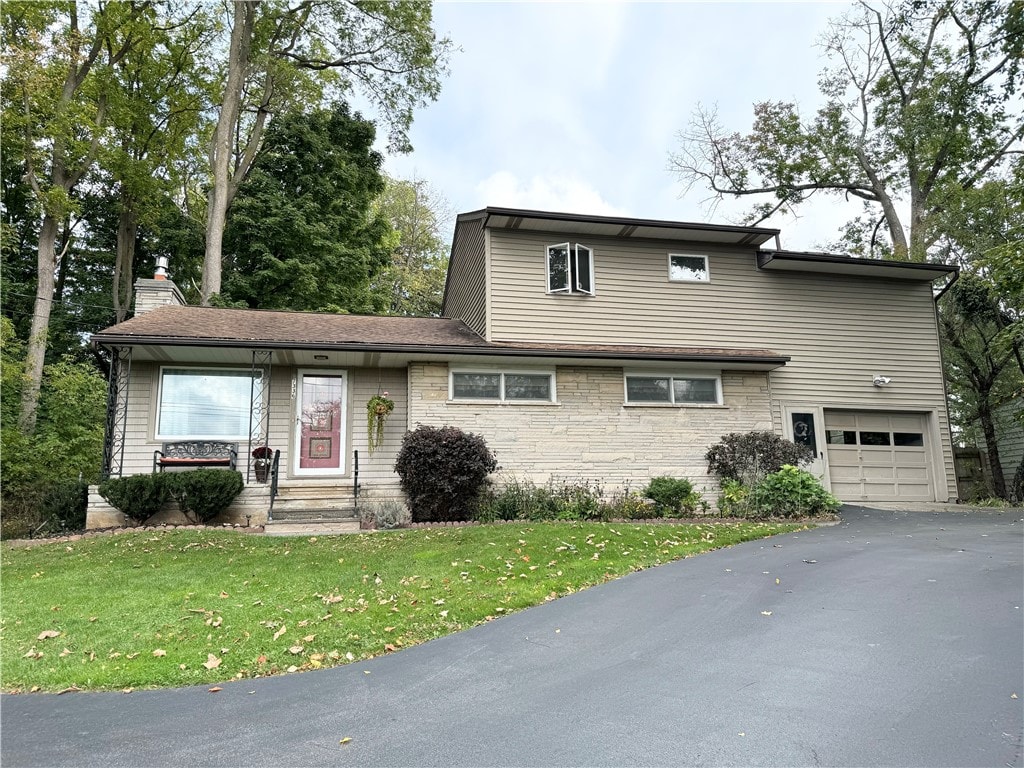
[{"x": 169, "y": 608}]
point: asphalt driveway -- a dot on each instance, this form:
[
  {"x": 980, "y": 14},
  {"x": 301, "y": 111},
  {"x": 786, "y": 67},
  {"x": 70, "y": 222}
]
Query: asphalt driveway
[{"x": 893, "y": 638}]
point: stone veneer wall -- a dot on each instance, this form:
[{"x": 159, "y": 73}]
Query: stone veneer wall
[{"x": 590, "y": 434}]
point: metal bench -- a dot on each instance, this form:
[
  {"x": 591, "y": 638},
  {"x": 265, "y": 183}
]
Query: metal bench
[{"x": 196, "y": 453}]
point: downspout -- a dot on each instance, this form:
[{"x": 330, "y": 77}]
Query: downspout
[{"x": 945, "y": 387}]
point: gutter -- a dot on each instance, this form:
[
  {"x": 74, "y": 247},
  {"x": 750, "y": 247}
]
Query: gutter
[{"x": 133, "y": 341}]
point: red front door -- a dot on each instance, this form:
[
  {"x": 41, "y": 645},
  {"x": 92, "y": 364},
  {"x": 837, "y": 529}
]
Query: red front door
[{"x": 321, "y": 424}]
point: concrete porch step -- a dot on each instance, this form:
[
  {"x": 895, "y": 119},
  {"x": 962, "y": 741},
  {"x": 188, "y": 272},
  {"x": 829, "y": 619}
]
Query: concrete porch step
[
  {"x": 313, "y": 514},
  {"x": 324, "y": 528}
]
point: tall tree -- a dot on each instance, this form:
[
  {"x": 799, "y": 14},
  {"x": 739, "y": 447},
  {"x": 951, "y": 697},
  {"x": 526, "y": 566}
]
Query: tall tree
[
  {"x": 921, "y": 105},
  {"x": 281, "y": 56},
  {"x": 156, "y": 115},
  {"x": 414, "y": 280},
  {"x": 55, "y": 95},
  {"x": 302, "y": 234}
]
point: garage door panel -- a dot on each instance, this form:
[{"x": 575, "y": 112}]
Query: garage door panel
[{"x": 882, "y": 456}]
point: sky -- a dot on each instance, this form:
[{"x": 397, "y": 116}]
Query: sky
[{"x": 575, "y": 107}]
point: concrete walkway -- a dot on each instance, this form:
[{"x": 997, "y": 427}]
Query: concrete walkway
[{"x": 892, "y": 639}]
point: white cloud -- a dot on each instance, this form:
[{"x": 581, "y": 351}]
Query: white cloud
[{"x": 544, "y": 193}]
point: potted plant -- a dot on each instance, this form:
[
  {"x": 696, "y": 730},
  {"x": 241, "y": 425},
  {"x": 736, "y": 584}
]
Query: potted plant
[
  {"x": 378, "y": 408},
  {"x": 263, "y": 455}
]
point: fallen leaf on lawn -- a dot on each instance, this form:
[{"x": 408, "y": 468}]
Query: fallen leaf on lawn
[
  {"x": 292, "y": 668},
  {"x": 215, "y": 689},
  {"x": 212, "y": 662},
  {"x": 159, "y": 652},
  {"x": 48, "y": 633},
  {"x": 439, "y": 602},
  {"x": 33, "y": 689},
  {"x": 389, "y": 647},
  {"x": 127, "y": 690},
  {"x": 93, "y": 618},
  {"x": 346, "y": 740},
  {"x": 295, "y": 650},
  {"x": 33, "y": 654},
  {"x": 444, "y": 614},
  {"x": 261, "y": 659},
  {"x": 71, "y": 689},
  {"x": 128, "y": 656},
  {"x": 65, "y": 652},
  {"x": 309, "y": 638},
  {"x": 349, "y": 656},
  {"x": 223, "y": 595},
  {"x": 280, "y": 632}
]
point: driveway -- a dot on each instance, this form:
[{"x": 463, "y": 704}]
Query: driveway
[{"x": 893, "y": 638}]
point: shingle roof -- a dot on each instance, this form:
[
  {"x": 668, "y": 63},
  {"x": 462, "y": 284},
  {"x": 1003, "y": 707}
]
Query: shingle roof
[{"x": 210, "y": 326}]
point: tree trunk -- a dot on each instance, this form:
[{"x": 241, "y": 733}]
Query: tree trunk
[
  {"x": 127, "y": 232},
  {"x": 988, "y": 427},
  {"x": 36, "y": 353},
  {"x": 222, "y": 146}
]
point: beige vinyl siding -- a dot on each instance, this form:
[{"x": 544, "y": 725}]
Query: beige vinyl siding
[
  {"x": 465, "y": 296},
  {"x": 839, "y": 330},
  {"x": 589, "y": 434},
  {"x": 377, "y": 467}
]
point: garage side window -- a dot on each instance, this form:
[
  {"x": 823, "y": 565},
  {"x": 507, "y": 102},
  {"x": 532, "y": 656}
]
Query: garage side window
[{"x": 204, "y": 403}]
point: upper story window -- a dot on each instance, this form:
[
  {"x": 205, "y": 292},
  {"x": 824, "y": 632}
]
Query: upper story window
[
  {"x": 570, "y": 269},
  {"x": 503, "y": 386},
  {"x": 688, "y": 268},
  {"x": 646, "y": 389},
  {"x": 204, "y": 403}
]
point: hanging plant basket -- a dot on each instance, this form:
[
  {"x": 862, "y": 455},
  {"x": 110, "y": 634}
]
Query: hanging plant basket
[{"x": 378, "y": 408}]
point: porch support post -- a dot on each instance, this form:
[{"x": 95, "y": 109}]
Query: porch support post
[
  {"x": 117, "y": 411},
  {"x": 259, "y": 411}
]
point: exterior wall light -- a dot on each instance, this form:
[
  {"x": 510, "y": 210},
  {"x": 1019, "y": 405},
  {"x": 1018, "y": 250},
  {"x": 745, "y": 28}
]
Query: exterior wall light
[{"x": 881, "y": 381}]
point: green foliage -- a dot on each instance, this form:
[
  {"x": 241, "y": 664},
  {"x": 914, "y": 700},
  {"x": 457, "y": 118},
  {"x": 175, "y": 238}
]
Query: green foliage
[
  {"x": 301, "y": 233},
  {"x": 672, "y": 495},
  {"x": 414, "y": 280},
  {"x": 378, "y": 408},
  {"x": 42, "y": 469},
  {"x": 920, "y": 103},
  {"x": 732, "y": 497},
  {"x": 443, "y": 471},
  {"x": 750, "y": 456},
  {"x": 519, "y": 499},
  {"x": 139, "y": 497},
  {"x": 202, "y": 494},
  {"x": 790, "y": 492}
]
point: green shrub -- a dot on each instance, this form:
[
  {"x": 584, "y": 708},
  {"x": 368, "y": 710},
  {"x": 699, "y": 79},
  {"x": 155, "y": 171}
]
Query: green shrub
[
  {"x": 443, "y": 471},
  {"x": 523, "y": 500},
  {"x": 791, "y": 492},
  {"x": 751, "y": 456},
  {"x": 64, "y": 505},
  {"x": 202, "y": 494},
  {"x": 732, "y": 498},
  {"x": 630, "y": 505},
  {"x": 672, "y": 495},
  {"x": 139, "y": 497}
]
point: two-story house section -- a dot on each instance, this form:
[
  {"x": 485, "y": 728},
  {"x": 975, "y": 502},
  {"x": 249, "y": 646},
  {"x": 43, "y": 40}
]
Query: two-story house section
[{"x": 636, "y": 344}]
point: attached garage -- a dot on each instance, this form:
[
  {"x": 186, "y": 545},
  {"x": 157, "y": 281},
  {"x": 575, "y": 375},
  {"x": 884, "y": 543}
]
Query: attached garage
[{"x": 879, "y": 456}]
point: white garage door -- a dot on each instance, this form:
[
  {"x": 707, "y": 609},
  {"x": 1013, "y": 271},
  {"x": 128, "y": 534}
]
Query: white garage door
[{"x": 878, "y": 456}]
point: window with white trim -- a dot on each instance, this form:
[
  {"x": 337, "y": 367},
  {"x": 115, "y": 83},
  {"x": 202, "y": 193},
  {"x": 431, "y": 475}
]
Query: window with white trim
[
  {"x": 570, "y": 269},
  {"x": 503, "y": 386},
  {"x": 688, "y": 268},
  {"x": 646, "y": 389},
  {"x": 201, "y": 403}
]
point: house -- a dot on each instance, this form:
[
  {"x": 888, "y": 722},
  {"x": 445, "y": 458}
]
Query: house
[{"x": 581, "y": 347}]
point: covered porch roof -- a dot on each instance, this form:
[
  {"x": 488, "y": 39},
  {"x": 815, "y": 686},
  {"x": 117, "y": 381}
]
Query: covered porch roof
[{"x": 209, "y": 335}]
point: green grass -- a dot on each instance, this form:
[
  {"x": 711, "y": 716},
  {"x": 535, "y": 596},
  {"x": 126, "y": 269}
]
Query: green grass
[{"x": 169, "y": 608}]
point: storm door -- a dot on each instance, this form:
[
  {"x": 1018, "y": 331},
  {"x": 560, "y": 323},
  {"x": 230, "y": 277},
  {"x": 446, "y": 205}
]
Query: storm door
[{"x": 320, "y": 423}]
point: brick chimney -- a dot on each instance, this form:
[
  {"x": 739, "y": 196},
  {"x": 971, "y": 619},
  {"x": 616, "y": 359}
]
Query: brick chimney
[{"x": 158, "y": 291}]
